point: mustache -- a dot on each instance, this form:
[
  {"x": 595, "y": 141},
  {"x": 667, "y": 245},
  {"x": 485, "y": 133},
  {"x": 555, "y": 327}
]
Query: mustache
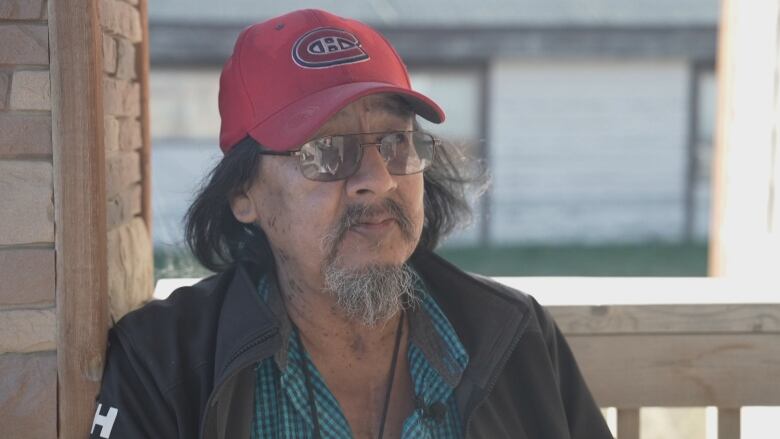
[
  {"x": 356, "y": 214},
  {"x": 359, "y": 213}
]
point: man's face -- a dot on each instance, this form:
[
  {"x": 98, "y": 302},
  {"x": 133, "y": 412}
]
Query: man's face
[{"x": 305, "y": 220}]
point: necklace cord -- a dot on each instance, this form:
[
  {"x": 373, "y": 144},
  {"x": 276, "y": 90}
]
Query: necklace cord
[
  {"x": 315, "y": 418},
  {"x": 390, "y": 379}
]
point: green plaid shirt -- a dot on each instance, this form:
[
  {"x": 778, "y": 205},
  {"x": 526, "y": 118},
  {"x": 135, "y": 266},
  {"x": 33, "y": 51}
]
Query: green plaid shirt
[{"x": 436, "y": 358}]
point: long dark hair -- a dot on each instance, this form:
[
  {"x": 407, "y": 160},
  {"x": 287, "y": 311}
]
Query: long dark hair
[{"x": 218, "y": 240}]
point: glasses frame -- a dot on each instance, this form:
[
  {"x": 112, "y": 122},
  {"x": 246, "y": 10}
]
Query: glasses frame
[{"x": 298, "y": 153}]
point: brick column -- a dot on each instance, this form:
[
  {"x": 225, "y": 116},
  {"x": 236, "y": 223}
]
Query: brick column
[
  {"x": 129, "y": 245},
  {"x": 28, "y": 364}
]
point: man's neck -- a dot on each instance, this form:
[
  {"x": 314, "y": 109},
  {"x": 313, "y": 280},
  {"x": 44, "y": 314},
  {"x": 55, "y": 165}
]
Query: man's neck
[
  {"x": 354, "y": 359},
  {"x": 324, "y": 328}
]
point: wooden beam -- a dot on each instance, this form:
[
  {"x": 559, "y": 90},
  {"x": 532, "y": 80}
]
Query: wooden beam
[
  {"x": 80, "y": 209},
  {"x": 742, "y": 240},
  {"x": 718, "y": 185},
  {"x": 685, "y": 370},
  {"x": 691, "y": 319},
  {"x": 146, "y": 149},
  {"x": 202, "y": 43},
  {"x": 723, "y": 72}
]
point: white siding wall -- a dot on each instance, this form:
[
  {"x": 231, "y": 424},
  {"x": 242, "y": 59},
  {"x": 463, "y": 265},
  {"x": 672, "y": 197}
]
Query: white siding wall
[
  {"x": 705, "y": 137},
  {"x": 458, "y": 92},
  {"x": 590, "y": 151}
]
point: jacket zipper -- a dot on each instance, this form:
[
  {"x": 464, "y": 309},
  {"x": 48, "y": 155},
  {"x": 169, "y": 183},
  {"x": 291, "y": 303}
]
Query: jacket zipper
[
  {"x": 220, "y": 386},
  {"x": 259, "y": 340}
]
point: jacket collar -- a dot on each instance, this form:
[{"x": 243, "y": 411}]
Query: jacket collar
[
  {"x": 488, "y": 318},
  {"x": 247, "y": 328}
]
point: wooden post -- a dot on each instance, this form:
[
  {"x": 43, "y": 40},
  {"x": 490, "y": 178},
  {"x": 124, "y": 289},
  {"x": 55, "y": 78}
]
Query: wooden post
[
  {"x": 745, "y": 234},
  {"x": 729, "y": 423},
  {"x": 628, "y": 423},
  {"x": 80, "y": 209}
]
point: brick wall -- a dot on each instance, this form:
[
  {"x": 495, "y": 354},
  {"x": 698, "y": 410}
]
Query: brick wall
[
  {"x": 28, "y": 277},
  {"x": 27, "y": 273},
  {"x": 129, "y": 246}
]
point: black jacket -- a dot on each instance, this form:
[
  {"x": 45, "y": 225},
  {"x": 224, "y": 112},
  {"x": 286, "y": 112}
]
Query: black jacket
[{"x": 184, "y": 367}]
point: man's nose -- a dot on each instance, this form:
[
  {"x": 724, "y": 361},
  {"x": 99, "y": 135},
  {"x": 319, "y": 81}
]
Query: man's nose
[{"x": 372, "y": 177}]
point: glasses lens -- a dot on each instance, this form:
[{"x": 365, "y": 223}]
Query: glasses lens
[
  {"x": 330, "y": 158},
  {"x": 338, "y": 157},
  {"x": 407, "y": 152}
]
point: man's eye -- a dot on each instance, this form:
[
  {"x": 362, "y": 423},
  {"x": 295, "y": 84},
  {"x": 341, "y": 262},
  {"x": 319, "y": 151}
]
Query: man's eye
[
  {"x": 396, "y": 139},
  {"x": 396, "y": 143},
  {"x": 400, "y": 138}
]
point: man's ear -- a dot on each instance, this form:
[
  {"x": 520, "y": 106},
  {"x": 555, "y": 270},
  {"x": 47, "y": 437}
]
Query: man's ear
[{"x": 243, "y": 208}]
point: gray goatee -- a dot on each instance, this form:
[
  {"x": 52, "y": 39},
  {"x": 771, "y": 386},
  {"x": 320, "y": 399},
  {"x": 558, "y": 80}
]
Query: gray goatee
[{"x": 371, "y": 294}]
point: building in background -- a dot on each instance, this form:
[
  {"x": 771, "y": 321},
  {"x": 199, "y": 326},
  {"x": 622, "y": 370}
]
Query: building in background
[{"x": 595, "y": 117}]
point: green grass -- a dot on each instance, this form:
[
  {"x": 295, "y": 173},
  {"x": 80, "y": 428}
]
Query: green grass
[
  {"x": 602, "y": 260},
  {"x": 572, "y": 260}
]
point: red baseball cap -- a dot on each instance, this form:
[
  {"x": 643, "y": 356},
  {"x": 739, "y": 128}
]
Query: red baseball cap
[{"x": 287, "y": 76}]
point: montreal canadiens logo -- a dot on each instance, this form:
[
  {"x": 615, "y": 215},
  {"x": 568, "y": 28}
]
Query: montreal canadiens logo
[{"x": 327, "y": 47}]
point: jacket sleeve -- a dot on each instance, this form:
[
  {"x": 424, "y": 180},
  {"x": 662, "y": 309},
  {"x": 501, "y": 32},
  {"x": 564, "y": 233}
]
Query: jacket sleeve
[
  {"x": 582, "y": 413},
  {"x": 130, "y": 404}
]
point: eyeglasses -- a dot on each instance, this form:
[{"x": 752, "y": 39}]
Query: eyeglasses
[{"x": 337, "y": 157}]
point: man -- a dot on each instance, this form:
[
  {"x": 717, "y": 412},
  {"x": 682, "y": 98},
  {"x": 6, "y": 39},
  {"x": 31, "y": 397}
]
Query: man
[{"x": 330, "y": 315}]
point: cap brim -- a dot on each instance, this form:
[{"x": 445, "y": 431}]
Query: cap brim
[{"x": 295, "y": 124}]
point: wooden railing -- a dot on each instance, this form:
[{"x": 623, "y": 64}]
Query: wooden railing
[
  {"x": 670, "y": 342},
  {"x": 663, "y": 342}
]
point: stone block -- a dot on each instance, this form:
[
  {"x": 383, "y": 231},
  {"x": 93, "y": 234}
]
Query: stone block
[
  {"x": 121, "y": 97},
  {"x": 21, "y": 9},
  {"x": 122, "y": 170},
  {"x": 28, "y": 395},
  {"x": 130, "y": 135},
  {"x": 31, "y": 90},
  {"x": 27, "y": 214},
  {"x": 124, "y": 206},
  {"x": 120, "y": 19},
  {"x": 28, "y": 276},
  {"x": 130, "y": 268},
  {"x": 28, "y": 330},
  {"x": 109, "y": 54},
  {"x": 24, "y": 134},
  {"x": 126, "y": 60},
  {"x": 24, "y": 44},
  {"x": 111, "y": 133}
]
